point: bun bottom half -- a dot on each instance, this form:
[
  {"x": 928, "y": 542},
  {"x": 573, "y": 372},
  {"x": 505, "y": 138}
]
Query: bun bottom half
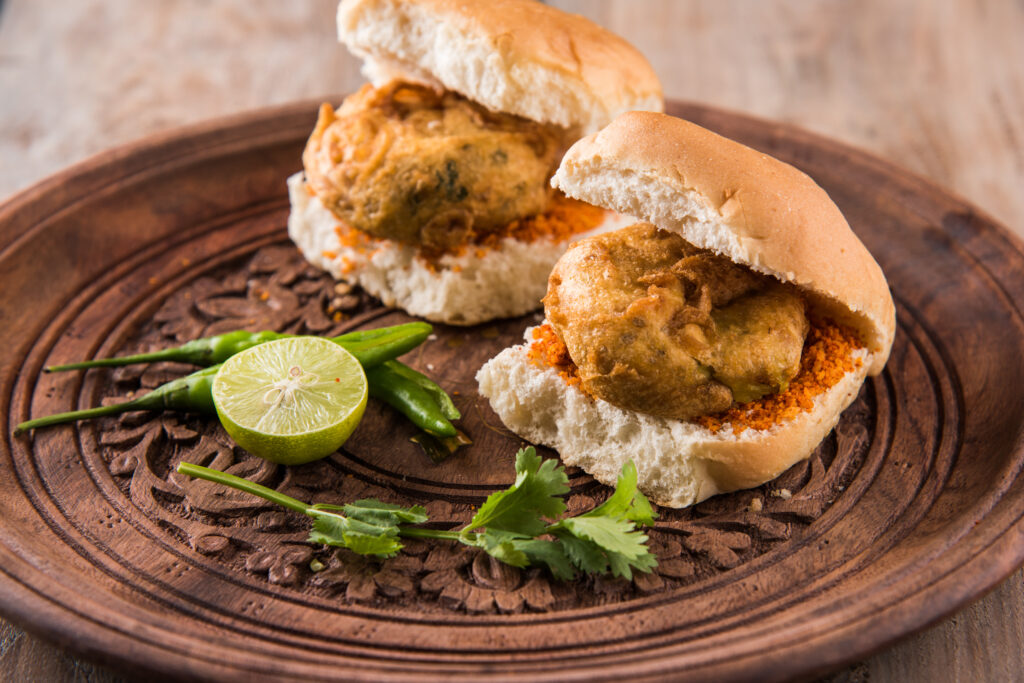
[
  {"x": 464, "y": 289},
  {"x": 678, "y": 463}
]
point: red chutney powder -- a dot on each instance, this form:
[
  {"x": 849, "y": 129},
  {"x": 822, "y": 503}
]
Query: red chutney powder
[
  {"x": 564, "y": 219},
  {"x": 827, "y": 357},
  {"x": 548, "y": 350}
]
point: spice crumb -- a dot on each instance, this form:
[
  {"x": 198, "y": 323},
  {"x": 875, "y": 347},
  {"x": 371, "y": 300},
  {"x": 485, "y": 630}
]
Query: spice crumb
[
  {"x": 547, "y": 350},
  {"x": 827, "y": 357},
  {"x": 564, "y": 218}
]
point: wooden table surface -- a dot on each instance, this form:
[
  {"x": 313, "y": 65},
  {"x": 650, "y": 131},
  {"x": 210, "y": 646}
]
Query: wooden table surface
[{"x": 936, "y": 86}]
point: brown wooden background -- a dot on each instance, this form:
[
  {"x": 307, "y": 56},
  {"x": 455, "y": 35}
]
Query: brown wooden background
[{"x": 934, "y": 85}]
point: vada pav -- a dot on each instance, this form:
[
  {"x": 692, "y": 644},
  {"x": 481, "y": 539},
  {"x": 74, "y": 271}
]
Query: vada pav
[
  {"x": 430, "y": 187},
  {"x": 716, "y": 344}
]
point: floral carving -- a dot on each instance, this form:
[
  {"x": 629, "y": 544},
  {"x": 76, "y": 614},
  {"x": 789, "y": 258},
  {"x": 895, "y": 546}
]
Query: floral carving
[{"x": 275, "y": 289}]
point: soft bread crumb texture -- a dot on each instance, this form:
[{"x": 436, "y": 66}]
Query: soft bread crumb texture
[
  {"x": 497, "y": 278},
  {"x": 515, "y": 56},
  {"x": 679, "y": 463},
  {"x": 733, "y": 200}
]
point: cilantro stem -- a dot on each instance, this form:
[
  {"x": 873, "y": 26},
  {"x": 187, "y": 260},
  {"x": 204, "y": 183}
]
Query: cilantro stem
[
  {"x": 245, "y": 485},
  {"x": 420, "y": 532}
]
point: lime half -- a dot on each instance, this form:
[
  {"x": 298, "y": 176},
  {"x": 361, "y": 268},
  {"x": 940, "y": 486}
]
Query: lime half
[{"x": 291, "y": 400}]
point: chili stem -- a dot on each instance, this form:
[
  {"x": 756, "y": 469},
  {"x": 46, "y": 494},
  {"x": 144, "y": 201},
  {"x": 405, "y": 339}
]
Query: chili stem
[
  {"x": 151, "y": 357},
  {"x": 74, "y": 415}
]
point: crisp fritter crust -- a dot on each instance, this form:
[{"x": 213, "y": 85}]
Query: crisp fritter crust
[
  {"x": 657, "y": 325},
  {"x": 426, "y": 167}
]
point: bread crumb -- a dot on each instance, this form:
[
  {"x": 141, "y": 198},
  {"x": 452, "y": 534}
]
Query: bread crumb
[
  {"x": 784, "y": 494},
  {"x": 756, "y": 505}
]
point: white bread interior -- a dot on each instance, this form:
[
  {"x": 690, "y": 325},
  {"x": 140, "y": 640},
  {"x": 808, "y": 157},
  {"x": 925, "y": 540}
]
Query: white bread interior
[
  {"x": 750, "y": 207},
  {"x": 515, "y": 56},
  {"x": 678, "y": 463},
  {"x": 466, "y": 289}
]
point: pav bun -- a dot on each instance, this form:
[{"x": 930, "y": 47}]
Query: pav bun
[
  {"x": 678, "y": 463},
  {"x": 735, "y": 201},
  {"x": 459, "y": 289},
  {"x": 756, "y": 210},
  {"x": 520, "y": 58},
  {"x": 514, "y": 56}
]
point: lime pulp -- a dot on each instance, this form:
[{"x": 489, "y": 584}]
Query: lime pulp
[{"x": 292, "y": 400}]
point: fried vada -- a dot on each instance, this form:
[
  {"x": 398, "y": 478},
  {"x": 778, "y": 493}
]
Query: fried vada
[
  {"x": 430, "y": 186},
  {"x": 673, "y": 330},
  {"x": 409, "y": 163},
  {"x": 715, "y": 349}
]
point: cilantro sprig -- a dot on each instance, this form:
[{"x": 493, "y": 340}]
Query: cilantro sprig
[{"x": 521, "y": 525}]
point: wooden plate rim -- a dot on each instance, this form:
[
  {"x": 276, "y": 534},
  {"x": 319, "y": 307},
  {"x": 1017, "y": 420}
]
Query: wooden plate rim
[{"x": 51, "y": 618}]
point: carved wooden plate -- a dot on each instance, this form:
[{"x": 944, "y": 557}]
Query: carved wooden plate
[{"x": 908, "y": 511}]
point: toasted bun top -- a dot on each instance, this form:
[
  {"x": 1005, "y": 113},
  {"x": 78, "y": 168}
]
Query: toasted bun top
[
  {"x": 731, "y": 199},
  {"x": 514, "y": 56}
]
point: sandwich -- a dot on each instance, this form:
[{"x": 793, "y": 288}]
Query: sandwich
[
  {"x": 716, "y": 342},
  {"x": 429, "y": 187}
]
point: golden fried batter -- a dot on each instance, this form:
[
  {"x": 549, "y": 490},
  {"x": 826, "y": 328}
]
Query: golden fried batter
[
  {"x": 408, "y": 163},
  {"x": 659, "y": 326}
]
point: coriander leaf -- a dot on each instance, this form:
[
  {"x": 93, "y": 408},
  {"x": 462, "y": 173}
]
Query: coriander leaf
[
  {"x": 612, "y": 535},
  {"x": 641, "y": 511},
  {"x": 376, "y": 512},
  {"x": 645, "y": 562},
  {"x": 626, "y": 502},
  {"x": 503, "y": 546},
  {"x": 329, "y": 528},
  {"x": 621, "y": 499},
  {"x": 615, "y": 541},
  {"x": 385, "y": 546},
  {"x": 549, "y": 553},
  {"x": 583, "y": 553},
  {"x": 521, "y": 508},
  {"x": 372, "y": 537},
  {"x": 332, "y": 529}
]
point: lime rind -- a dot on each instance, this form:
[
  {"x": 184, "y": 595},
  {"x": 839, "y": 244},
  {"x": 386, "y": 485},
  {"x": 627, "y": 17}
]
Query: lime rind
[{"x": 292, "y": 400}]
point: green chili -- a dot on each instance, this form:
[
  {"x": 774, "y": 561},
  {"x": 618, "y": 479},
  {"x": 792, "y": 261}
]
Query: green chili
[
  {"x": 193, "y": 394},
  {"x": 411, "y": 393},
  {"x": 438, "y": 448},
  {"x": 409, "y": 398},
  {"x": 441, "y": 398},
  {"x": 370, "y": 347}
]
